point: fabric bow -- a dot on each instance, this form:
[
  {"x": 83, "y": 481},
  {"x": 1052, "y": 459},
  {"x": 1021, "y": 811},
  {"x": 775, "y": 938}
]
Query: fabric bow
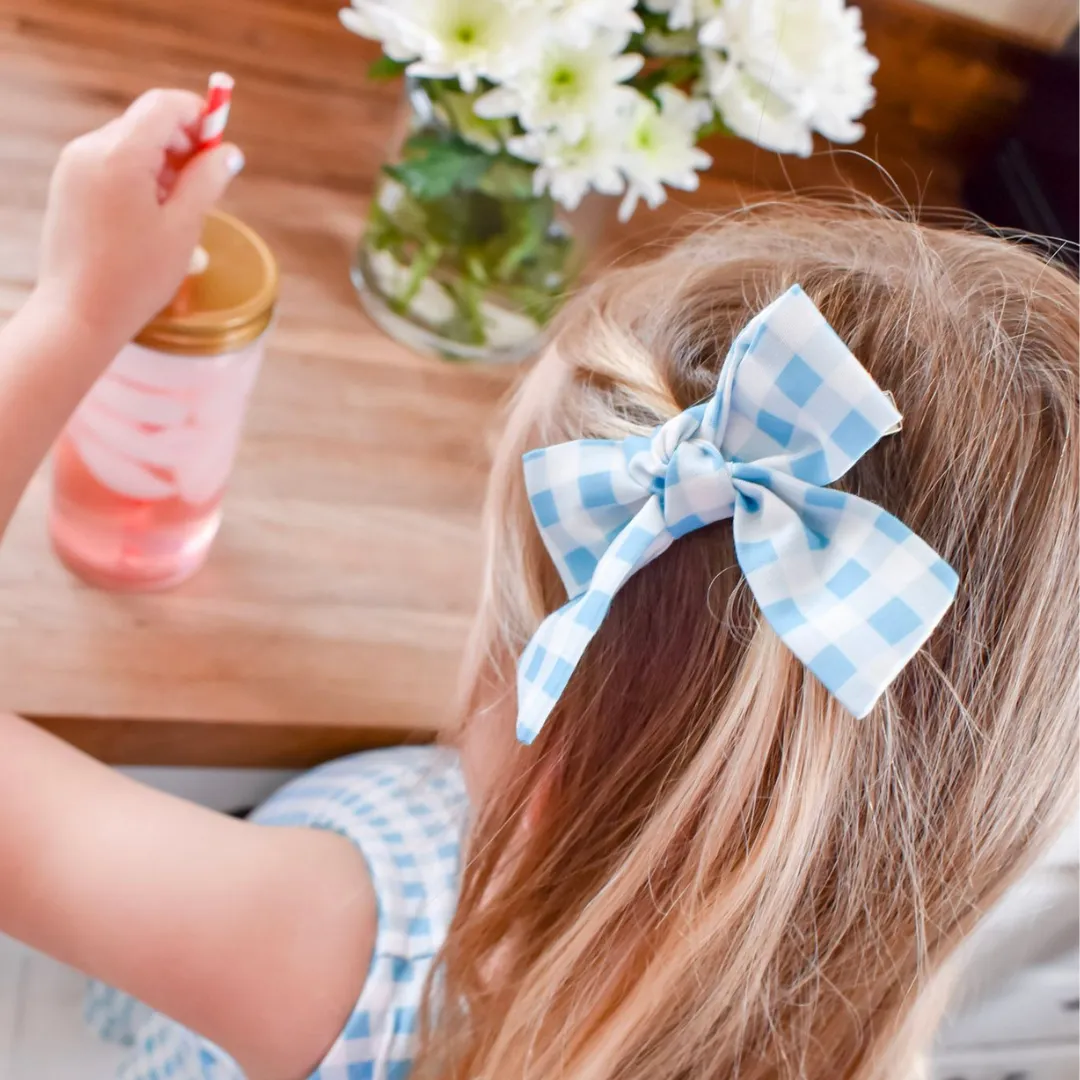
[{"x": 849, "y": 589}]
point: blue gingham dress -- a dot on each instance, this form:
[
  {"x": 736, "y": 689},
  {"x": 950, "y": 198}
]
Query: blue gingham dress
[{"x": 405, "y": 809}]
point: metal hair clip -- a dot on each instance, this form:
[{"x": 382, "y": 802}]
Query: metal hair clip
[{"x": 899, "y": 425}]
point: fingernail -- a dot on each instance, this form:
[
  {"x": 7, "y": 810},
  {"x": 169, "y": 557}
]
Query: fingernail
[{"x": 235, "y": 161}]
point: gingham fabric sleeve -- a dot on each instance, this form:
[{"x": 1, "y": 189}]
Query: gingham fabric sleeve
[{"x": 405, "y": 810}]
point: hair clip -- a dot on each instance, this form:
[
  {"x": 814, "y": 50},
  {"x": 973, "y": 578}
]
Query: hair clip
[{"x": 896, "y": 428}]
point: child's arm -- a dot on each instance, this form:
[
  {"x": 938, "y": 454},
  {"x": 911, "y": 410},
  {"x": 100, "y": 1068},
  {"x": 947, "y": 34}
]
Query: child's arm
[
  {"x": 257, "y": 938},
  {"x": 46, "y": 366}
]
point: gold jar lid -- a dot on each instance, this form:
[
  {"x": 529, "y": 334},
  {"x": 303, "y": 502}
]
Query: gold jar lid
[{"x": 229, "y": 304}]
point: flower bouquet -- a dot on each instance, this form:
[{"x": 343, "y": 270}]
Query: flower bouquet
[{"x": 521, "y": 107}]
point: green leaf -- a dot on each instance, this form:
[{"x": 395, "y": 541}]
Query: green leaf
[
  {"x": 433, "y": 167},
  {"x": 489, "y": 135},
  {"x": 508, "y": 178},
  {"x": 677, "y": 70},
  {"x": 448, "y": 220},
  {"x": 527, "y": 225},
  {"x": 384, "y": 68}
]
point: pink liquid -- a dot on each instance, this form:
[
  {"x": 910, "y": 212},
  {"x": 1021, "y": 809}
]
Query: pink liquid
[
  {"x": 139, "y": 473},
  {"x": 117, "y": 542}
]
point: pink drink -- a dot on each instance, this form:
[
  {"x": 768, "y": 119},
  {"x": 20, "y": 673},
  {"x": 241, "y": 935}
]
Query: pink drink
[{"x": 139, "y": 473}]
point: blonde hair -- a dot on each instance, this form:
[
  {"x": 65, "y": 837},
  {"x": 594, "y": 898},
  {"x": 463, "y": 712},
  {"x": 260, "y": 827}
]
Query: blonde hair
[{"x": 727, "y": 875}]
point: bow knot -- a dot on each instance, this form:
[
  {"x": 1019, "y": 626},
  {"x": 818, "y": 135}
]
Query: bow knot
[
  {"x": 675, "y": 463},
  {"x": 673, "y": 434},
  {"x": 849, "y": 588}
]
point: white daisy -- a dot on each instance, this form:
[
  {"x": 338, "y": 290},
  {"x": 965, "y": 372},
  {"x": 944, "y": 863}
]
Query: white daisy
[
  {"x": 661, "y": 147},
  {"x": 683, "y": 14},
  {"x": 570, "y": 168},
  {"x": 752, "y": 111},
  {"x": 785, "y": 68},
  {"x": 376, "y": 19},
  {"x": 577, "y": 22},
  {"x": 564, "y": 85},
  {"x": 467, "y": 40}
]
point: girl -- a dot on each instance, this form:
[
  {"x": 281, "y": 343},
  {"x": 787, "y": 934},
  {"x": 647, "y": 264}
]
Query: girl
[{"x": 743, "y": 795}]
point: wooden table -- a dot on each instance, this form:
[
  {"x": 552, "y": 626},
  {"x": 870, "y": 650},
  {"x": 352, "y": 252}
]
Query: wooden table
[
  {"x": 333, "y": 609},
  {"x": 336, "y": 599}
]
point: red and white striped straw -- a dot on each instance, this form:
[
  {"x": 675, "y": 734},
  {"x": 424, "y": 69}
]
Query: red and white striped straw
[{"x": 215, "y": 111}]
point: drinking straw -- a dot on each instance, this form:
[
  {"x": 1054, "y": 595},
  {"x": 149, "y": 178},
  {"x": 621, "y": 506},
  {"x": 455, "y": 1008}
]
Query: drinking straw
[{"x": 215, "y": 111}]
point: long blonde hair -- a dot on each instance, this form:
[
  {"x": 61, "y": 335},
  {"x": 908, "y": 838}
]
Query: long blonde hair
[{"x": 727, "y": 875}]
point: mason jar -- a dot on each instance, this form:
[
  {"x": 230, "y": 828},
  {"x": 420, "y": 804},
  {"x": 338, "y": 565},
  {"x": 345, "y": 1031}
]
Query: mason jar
[{"x": 140, "y": 471}]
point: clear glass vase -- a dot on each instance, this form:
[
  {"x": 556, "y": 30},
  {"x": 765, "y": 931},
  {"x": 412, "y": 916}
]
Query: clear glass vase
[{"x": 459, "y": 257}]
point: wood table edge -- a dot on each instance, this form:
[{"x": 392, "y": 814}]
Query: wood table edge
[{"x": 221, "y": 743}]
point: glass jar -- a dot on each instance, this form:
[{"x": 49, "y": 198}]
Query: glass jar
[
  {"x": 140, "y": 470},
  {"x": 460, "y": 256}
]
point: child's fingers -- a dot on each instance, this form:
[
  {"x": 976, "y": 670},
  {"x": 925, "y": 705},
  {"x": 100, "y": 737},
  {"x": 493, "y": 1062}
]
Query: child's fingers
[
  {"x": 160, "y": 118},
  {"x": 181, "y": 143},
  {"x": 203, "y": 180},
  {"x": 166, "y": 180}
]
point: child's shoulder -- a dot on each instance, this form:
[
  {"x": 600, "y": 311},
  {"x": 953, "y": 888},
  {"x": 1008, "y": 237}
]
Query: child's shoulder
[{"x": 405, "y": 810}]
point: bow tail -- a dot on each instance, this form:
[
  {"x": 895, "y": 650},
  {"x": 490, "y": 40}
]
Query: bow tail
[
  {"x": 553, "y": 652},
  {"x": 581, "y": 495},
  {"x": 849, "y": 588}
]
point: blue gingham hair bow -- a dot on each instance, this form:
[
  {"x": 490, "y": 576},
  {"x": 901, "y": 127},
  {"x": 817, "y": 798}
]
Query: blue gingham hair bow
[{"x": 850, "y": 589}]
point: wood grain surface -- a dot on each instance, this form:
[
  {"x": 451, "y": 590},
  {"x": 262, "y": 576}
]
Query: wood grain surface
[{"x": 333, "y": 609}]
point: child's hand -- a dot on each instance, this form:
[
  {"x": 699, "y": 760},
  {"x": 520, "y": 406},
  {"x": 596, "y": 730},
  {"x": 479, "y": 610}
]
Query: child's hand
[{"x": 122, "y": 222}]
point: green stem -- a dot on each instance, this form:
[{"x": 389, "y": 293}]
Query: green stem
[
  {"x": 504, "y": 269},
  {"x": 476, "y": 270},
  {"x": 421, "y": 266},
  {"x": 467, "y": 295}
]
